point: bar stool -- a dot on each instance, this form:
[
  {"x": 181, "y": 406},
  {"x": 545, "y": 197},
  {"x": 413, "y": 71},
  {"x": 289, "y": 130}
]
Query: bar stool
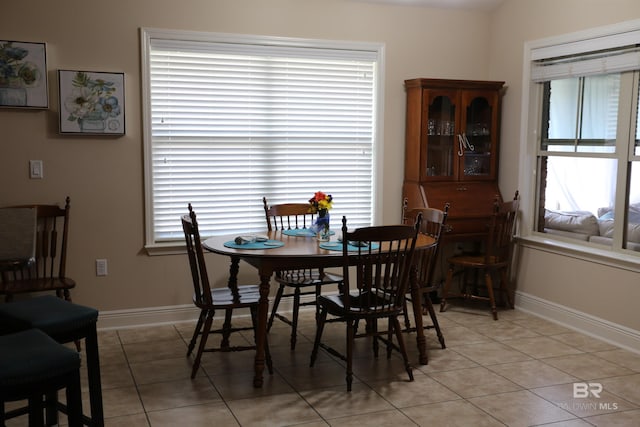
[
  {"x": 33, "y": 365},
  {"x": 65, "y": 322}
]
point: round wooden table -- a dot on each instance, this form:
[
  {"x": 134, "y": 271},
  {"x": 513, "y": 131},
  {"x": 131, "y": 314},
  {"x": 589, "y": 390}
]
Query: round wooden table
[{"x": 297, "y": 252}]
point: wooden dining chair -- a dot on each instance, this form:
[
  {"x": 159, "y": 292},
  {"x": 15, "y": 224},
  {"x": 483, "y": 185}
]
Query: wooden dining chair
[
  {"x": 382, "y": 258},
  {"x": 434, "y": 225},
  {"x": 209, "y": 300},
  {"x": 496, "y": 258},
  {"x": 47, "y": 271},
  {"x": 299, "y": 282}
]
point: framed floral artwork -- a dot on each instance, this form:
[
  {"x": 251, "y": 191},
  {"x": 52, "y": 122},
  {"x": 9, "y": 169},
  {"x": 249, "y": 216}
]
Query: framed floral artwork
[
  {"x": 23, "y": 75},
  {"x": 91, "y": 102}
]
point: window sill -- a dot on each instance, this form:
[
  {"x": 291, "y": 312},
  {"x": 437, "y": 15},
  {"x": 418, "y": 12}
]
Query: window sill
[
  {"x": 169, "y": 248},
  {"x": 624, "y": 259}
]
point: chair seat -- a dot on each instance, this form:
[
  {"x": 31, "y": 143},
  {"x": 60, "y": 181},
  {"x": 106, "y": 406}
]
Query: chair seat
[
  {"x": 37, "y": 285},
  {"x": 362, "y": 304},
  {"x": 52, "y": 315},
  {"x": 477, "y": 261},
  {"x": 31, "y": 356},
  {"x": 242, "y": 289},
  {"x": 223, "y": 297},
  {"x": 308, "y": 278}
]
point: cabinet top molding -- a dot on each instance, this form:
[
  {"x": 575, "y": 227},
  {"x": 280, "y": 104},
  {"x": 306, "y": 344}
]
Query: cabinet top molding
[{"x": 453, "y": 84}]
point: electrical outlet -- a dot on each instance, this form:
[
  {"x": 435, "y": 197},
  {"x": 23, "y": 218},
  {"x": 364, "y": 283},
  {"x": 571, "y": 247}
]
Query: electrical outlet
[{"x": 101, "y": 267}]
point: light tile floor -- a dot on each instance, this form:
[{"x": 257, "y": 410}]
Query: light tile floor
[{"x": 517, "y": 371}]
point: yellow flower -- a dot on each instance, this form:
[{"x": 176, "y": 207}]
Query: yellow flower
[
  {"x": 321, "y": 201},
  {"x": 324, "y": 204}
]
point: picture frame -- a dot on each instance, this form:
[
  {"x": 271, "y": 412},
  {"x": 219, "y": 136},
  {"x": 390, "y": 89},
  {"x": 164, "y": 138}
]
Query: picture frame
[
  {"x": 23, "y": 75},
  {"x": 91, "y": 102}
]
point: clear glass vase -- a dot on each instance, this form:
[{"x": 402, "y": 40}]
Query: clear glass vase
[{"x": 322, "y": 226}]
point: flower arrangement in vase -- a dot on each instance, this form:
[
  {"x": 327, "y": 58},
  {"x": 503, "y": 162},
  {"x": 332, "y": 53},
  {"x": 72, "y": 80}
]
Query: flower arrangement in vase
[{"x": 320, "y": 205}]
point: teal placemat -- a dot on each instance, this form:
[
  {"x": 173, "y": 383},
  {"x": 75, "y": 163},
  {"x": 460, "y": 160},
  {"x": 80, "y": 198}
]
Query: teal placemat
[
  {"x": 337, "y": 246},
  {"x": 269, "y": 244},
  {"x": 303, "y": 232}
]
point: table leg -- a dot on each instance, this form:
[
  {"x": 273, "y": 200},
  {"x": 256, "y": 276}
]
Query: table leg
[
  {"x": 261, "y": 333},
  {"x": 234, "y": 268},
  {"x": 416, "y": 302}
]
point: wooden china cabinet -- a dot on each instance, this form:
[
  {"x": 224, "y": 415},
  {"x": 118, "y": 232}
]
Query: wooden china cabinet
[{"x": 452, "y": 133}]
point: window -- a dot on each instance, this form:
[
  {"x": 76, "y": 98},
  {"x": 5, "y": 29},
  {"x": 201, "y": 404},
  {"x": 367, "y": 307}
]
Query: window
[
  {"x": 230, "y": 119},
  {"x": 588, "y": 152},
  {"x": 582, "y": 118}
]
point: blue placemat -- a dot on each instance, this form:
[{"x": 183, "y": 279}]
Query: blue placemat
[
  {"x": 303, "y": 232},
  {"x": 337, "y": 246},
  {"x": 269, "y": 244}
]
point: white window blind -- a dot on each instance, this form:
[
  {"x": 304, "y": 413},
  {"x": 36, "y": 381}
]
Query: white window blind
[
  {"x": 232, "y": 122},
  {"x": 614, "y": 49},
  {"x": 593, "y": 63}
]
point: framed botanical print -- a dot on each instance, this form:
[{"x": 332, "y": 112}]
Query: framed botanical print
[
  {"x": 23, "y": 75},
  {"x": 91, "y": 102}
]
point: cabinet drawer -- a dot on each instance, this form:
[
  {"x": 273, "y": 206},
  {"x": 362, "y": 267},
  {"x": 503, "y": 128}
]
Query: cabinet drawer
[{"x": 476, "y": 226}]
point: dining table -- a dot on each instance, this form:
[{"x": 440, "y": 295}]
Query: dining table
[{"x": 290, "y": 249}]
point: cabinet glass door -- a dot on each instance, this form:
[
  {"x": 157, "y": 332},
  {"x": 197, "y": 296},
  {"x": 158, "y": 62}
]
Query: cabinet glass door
[
  {"x": 440, "y": 134},
  {"x": 476, "y": 141}
]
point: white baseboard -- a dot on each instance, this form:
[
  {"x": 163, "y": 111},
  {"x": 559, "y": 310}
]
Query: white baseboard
[
  {"x": 602, "y": 329},
  {"x": 119, "y": 319}
]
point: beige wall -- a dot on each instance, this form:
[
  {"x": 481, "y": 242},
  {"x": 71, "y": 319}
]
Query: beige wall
[
  {"x": 104, "y": 176},
  {"x": 599, "y": 290}
]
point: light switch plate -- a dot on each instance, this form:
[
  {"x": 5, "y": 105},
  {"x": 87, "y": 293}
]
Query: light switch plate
[
  {"x": 101, "y": 267},
  {"x": 35, "y": 169}
]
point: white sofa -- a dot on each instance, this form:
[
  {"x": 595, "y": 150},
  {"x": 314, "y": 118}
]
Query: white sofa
[{"x": 585, "y": 226}]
